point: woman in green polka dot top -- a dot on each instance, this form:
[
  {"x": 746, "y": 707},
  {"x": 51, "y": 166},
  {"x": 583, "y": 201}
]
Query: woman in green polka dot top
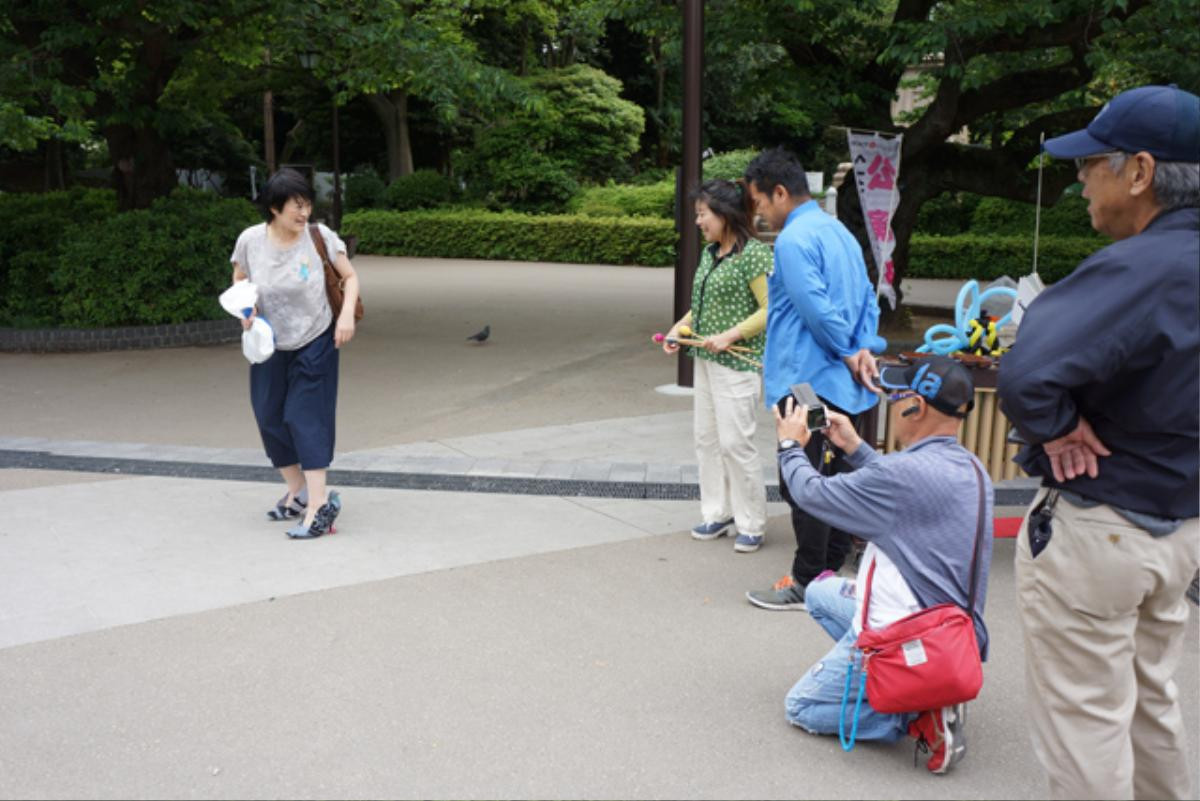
[{"x": 729, "y": 305}]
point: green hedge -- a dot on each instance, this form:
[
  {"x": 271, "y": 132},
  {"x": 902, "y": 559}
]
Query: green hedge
[
  {"x": 472, "y": 234},
  {"x": 621, "y": 200},
  {"x": 32, "y": 229},
  {"x": 1067, "y": 217},
  {"x": 422, "y": 189},
  {"x": 989, "y": 257},
  {"x": 955, "y": 213},
  {"x": 466, "y": 234},
  {"x": 165, "y": 264}
]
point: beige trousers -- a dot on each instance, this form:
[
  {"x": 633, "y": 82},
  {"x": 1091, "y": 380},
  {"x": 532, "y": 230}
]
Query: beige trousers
[
  {"x": 731, "y": 477},
  {"x": 1104, "y": 616}
]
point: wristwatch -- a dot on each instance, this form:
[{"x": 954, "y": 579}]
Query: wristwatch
[{"x": 787, "y": 445}]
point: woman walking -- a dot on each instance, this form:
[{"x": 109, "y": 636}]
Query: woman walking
[
  {"x": 294, "y": 393},
  {"x": 729, "y": 305}
]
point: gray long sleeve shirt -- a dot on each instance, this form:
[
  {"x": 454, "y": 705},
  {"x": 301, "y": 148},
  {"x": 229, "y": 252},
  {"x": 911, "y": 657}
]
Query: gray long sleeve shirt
[{"x": 920, "y": 506}]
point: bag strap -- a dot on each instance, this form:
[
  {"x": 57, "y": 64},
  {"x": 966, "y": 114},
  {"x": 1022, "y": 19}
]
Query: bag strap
[
  {"x": 319, "y": 243},
  {"x": 867, "y": 596},
  {"x": 848, "y": 742},
  {"x": 978, "y": 539},
  {"x": 974, "y": 555}
]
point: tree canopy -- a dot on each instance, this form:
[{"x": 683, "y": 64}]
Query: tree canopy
[{"x": 527, "y": 100}]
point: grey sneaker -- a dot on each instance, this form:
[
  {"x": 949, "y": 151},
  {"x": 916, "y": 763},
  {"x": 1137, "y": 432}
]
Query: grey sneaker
[
  {"x": 710, "y": 531},
  {"x": 747, "y": 544},
  {"x": 786, "y": 594}
]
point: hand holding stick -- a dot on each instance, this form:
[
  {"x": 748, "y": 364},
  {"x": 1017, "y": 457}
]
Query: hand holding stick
[{"x": 735, "y": 351}]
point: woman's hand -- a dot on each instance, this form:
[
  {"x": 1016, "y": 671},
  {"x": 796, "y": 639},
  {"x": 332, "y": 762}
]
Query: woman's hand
[
  {"x": 670, "y": 348},
  {"x": 249, "y": 321},
  {"x": 344, "y": 332},
  {"x": 719, "y": 343}
]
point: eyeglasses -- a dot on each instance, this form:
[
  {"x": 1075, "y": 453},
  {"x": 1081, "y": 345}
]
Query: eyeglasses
[{"x": 1083, "y": 161}]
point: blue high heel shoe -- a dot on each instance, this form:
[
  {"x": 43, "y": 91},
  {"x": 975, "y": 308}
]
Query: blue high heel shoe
[{"x": 322, "y": 523}]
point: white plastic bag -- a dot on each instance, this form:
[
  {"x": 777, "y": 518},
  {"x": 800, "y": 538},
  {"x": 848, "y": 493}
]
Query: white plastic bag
[
  {"x": 258, "y": 341},
  {"x": 1029, "y": 287},
  {"x": 240, "y": 299}
]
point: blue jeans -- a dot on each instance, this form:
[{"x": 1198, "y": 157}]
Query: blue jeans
[{"x": 815, "y": 702}]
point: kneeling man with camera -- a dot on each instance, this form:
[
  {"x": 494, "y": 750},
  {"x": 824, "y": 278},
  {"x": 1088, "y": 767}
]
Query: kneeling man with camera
[{"x": 926, "y": 514}]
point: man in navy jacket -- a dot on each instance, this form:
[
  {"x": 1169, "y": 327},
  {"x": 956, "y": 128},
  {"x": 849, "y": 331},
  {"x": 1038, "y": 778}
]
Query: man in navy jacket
[{"x": 1104, "y": 384}]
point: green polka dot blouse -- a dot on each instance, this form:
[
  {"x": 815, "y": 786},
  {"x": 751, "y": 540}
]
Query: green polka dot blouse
[{"x": 722, "y": 298}]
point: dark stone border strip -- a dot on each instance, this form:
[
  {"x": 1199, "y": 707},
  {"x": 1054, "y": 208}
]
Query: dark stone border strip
[
  {"x": 380, "y": 479},
  {"x": 59, "y": 340}
]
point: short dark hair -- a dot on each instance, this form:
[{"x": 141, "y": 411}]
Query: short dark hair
[
  {"x": 777, "y": 167},
  {"x": 729, "y": 201},
  {"x": 282, "y": 187}
]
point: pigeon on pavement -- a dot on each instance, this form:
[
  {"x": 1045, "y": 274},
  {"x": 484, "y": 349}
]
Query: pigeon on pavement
[{"x": 482, "y": 335}]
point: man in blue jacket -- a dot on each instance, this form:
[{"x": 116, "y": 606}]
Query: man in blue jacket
[
  {"x": 1103, "y": 382},
  {"x": 822, "y": 321}
]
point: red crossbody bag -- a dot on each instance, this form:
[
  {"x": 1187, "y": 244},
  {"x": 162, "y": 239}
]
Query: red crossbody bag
[{"x": 927, "y": 660}]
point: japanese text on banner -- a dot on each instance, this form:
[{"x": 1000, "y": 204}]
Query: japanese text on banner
[{"x": 876, "y": 160}]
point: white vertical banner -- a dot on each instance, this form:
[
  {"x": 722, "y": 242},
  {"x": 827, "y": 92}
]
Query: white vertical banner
[{"x": 876, "y": 160}]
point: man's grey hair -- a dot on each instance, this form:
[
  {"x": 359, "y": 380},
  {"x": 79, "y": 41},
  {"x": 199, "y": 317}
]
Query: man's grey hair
[{"x": 1176, "y": 183}]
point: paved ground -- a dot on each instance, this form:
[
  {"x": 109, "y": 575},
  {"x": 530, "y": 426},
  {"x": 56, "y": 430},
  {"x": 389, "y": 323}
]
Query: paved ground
[{"x": 158, "y": 640}]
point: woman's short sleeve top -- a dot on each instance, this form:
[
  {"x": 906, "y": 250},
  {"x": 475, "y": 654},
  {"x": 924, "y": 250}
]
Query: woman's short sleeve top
[
  {"x": 291, "y": 283},
  {"x": 722, "y": 298}
]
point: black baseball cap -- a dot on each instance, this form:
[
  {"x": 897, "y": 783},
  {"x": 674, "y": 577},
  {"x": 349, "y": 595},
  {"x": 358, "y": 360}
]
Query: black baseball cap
[
  {"x": 1164, "y": 121},
  {"x": 944, "y": 383}
]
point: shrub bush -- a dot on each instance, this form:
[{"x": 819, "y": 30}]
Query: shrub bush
[
  {"x": 33, "y": 228},
  {"x": 653, "y": 200},
  {"x": 165, "y": 264},
  {"x": 365, "y": 190},
  {"x": 423, "y": 189},
  {"x": 470, "y": 234},
  {"x": 989, "y": 257},
  {"x": 948, "y": 214},
  {"x": 1067, "y": 217},
  {"x": 727, "y": 166},
  {"x": 954, "y": 213}
]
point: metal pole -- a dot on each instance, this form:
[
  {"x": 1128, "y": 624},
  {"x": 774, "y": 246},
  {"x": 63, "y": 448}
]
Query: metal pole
[
  {"x": 337, "y": 171},
  {"x": 688, "y": 252}
]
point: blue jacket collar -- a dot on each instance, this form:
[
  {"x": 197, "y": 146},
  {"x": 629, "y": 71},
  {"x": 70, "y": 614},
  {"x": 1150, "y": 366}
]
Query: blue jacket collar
[{"x": 806, "y": 207}]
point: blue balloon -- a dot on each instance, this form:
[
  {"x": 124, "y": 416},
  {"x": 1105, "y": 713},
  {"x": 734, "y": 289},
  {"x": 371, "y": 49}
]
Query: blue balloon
[{"x": 958, "y": 336}]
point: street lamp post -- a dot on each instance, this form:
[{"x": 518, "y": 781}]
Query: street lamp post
[
  {"x": 688, "y": 254},
  {"x": 309, "y": 60}
]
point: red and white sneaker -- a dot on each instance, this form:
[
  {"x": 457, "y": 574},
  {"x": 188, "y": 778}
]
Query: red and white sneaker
[{"x": 940, "y": 732}]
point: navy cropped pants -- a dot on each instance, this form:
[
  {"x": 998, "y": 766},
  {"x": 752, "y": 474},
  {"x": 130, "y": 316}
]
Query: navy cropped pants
[{"x": 294, "y": 395}]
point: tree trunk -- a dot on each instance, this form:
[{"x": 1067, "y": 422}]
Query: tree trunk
[
  {"x": 660, "y": 83},
  {"x": 392, "y": 110},
  {"x": 55, "y": 173},
  {"x": 142, "y": 166}
]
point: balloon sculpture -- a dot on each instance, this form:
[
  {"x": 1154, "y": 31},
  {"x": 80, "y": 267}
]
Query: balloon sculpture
[{"x": 972, "y": 332}]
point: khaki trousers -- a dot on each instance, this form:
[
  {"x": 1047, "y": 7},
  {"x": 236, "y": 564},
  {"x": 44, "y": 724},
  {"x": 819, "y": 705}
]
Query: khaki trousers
[
  {"x": 724, "y": 422},
  {"x": 1104, "y": 616}
]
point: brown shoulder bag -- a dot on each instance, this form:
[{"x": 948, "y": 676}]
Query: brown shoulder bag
[{"x": 334, "y": 283}]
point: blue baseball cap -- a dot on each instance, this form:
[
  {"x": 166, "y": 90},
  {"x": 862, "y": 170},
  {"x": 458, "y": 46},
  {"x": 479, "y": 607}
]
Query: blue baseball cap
[
  {"x": 1164, "y": 121},
  {"x": 944, "y": 383}
]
